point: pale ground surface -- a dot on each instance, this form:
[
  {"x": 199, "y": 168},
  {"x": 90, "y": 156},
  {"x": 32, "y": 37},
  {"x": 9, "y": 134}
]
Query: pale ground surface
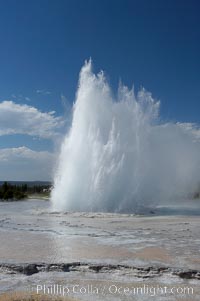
[{"x": 30, "y": 233}]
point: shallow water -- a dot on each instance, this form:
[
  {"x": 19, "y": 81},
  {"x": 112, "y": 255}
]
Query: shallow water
[
  {"x": 37, "y": 234},
  {"x": 31, "y": 233}
]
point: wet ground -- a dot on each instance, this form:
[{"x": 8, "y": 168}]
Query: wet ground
[{"x": 112, "y": 256}]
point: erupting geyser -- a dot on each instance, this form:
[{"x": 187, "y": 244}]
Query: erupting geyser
[{"x": 118, "y": 156}]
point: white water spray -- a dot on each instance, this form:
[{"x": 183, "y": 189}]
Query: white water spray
[{"x": 118, "y": 157}]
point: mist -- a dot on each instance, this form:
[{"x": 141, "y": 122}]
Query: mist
[{"x": 118, "y": 155}]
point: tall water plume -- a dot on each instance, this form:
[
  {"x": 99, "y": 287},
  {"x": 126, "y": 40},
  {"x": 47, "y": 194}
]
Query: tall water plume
[{"x": 118, "y": 156}]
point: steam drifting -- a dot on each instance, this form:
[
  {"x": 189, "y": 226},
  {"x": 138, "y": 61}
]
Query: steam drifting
[{"x": 118, "y": 156}]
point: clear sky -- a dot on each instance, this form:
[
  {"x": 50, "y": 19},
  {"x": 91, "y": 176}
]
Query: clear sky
[{"x": 44, "y": 43}]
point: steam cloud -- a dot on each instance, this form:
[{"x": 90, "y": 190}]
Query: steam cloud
[{"x": 118, "y": 156}]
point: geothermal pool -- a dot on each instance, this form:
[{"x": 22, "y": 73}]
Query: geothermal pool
[{"x": 39, "y": 246}]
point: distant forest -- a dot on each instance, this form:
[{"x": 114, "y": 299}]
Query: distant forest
[{"x": 20, "y": 190}]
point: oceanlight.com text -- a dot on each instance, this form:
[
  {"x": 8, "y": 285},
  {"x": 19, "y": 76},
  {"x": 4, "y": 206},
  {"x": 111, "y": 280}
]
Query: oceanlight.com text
[{"x": 113, "y": 289}]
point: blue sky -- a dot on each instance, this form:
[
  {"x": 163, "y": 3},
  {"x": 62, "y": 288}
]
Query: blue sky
[{"x": 154, "y": 44}]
